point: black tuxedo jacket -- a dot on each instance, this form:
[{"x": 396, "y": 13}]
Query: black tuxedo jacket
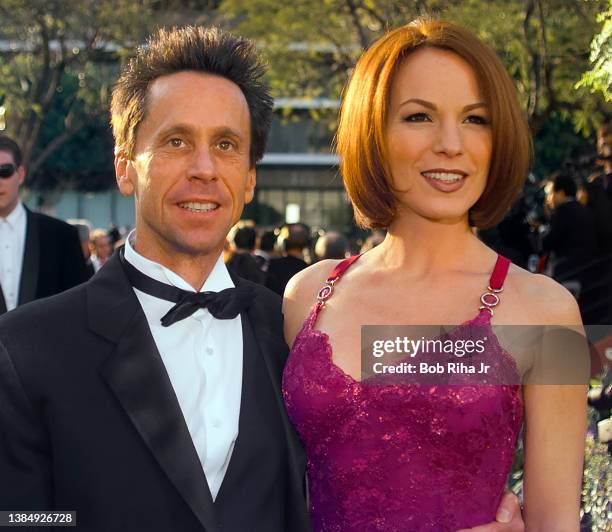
[
  {"x": 281, "y": 270},
  {"x": 89, "y": 420},
  {"x": 573, "y": 239},
  {"x": 52, "y": 259}
]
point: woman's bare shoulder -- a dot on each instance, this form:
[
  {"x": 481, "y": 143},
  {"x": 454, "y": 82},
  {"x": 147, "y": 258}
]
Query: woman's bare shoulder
[
  {"x": 540, "y": 299},
  {"x": 307, "y": 283},
  {"x": 301, "y": 294}
]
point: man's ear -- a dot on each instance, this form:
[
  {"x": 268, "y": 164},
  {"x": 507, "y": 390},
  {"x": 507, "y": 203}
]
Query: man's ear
[
  {"x": 21, "y": 175},
  {"x": 249, "y": 191},
  {"x": 126, "y": 187}
]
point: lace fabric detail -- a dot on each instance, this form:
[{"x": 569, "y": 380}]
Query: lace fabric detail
[{"x": 397, "y": 457}]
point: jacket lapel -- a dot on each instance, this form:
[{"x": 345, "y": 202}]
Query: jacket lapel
[
  {"x": 2, "y": 302},
  {"x": 138, "y": 378},
  {"x": 31, "y": 260}
]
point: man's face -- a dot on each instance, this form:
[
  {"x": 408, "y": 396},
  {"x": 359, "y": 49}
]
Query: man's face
[
  {"x": 9, "y": 188},
  {"x": 553, "y": 198},
  {"x": 102, "y": 246},
  {"x": 190, "y": 170}
]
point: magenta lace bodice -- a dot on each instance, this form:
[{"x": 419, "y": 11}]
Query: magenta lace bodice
[{"x": 397, "y": 457}]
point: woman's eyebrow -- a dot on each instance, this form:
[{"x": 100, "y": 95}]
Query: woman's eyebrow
[
  {"x": 433, "y": 106},
  {"x": 424, "y": 103}
]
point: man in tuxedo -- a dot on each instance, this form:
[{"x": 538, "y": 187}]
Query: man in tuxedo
[
  {"x": 572, "y": 234},
  {"x": 149, "y": 398},
  {"x": 142, "y": 423},
  {"x": 101, "y": 248},
  {"x": 39, "y": 256},
  {"x": 572, "y": 242},
  {"x": 294, "y": 240}
]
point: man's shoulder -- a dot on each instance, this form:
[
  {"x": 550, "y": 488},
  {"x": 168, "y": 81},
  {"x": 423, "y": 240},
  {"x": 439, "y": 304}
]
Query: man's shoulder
[
  {"x": 55, "y": 311},
  {"x": 263, "y": 295},
  {"x": 287, "y": 259},
  {"x": 579, "y": 217},
  {"x": 288, "y": 263},
  {"x": 572, "y": 207},
  {"x": 52, "y": 224}
]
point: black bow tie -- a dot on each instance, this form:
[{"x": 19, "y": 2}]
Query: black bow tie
[{"x": 223, "y": 305}]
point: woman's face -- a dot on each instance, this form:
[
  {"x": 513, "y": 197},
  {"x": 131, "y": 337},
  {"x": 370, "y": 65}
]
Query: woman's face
[{"x": 438, "y": 136}]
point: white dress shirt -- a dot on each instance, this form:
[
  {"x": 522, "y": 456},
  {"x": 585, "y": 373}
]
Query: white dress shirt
[
  {"x": 97, "y": 264},
  {"x": 12, "y": 246},
  {"x": 203, "y": 358}
]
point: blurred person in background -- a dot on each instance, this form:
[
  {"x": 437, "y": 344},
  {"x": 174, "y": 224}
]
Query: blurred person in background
[
  {"x": 101, "y": 247},
  {"x": 39, "y": 255},
  {"x": 377, "y": 237},
  {"x": 84, "y": 229},
  {"x": 241, "y": 259},
  {"x": 511, "y": 237},
  {"x": 598, "y": 298},
  {"x": 571, "y": 239},
  {"x": 115, "y": 235},
  {"x": 293, "y": 241},
  {"x": 331, "y": 245},
  {"x": 265, "y": 249}
]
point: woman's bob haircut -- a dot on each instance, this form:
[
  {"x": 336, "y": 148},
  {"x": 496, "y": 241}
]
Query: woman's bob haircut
[{"x": 361, "y": 141}]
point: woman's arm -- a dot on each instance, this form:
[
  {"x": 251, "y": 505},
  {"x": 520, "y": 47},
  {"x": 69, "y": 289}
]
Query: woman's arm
[{"x": 555, "y": 431}]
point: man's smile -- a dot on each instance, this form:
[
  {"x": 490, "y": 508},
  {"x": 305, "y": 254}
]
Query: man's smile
[{"x": 195, "y": 206}]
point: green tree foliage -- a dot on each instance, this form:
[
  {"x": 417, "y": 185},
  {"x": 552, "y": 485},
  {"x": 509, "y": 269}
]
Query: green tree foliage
[
  {"x": 58, "y": 59},
  {"x": 56, "y": 65},
  {"x": 85, "y": 160},
  {"x": 312, "y": 47},
  {"x": 599, "y": 77}
]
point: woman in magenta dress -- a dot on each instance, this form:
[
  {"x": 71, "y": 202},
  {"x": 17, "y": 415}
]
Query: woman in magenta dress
[{"x": 432, "y": 143}]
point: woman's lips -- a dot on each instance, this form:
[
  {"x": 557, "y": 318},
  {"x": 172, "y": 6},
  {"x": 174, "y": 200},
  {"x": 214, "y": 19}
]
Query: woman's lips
[{"x": 445, "y": 181}]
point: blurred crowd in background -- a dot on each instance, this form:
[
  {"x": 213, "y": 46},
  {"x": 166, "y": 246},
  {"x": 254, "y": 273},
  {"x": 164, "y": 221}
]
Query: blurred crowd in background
[{"x": 561, "y": 227}]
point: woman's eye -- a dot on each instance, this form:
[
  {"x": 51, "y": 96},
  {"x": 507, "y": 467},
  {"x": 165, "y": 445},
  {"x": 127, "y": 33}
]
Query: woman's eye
[
  {"x": 477, "y": 119},
  {"x": 176, "y": 143},
  {"x": 416, "y": 117}
]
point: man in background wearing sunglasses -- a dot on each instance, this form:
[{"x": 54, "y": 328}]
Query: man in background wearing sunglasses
[{"x": 39, "y": 256}]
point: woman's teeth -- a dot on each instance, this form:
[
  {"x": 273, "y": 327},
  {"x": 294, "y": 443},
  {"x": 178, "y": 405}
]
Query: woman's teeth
[
  {"x": 443, "y": 176},
  {"x": 198, "y": 207}
]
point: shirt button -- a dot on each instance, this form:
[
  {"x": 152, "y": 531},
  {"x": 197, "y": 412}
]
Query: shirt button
[
  {"x": 210, "y": 351},
  {"x": 216, "y": 423}
]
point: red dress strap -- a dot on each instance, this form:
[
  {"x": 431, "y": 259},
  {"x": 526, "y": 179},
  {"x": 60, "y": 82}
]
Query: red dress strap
[
  {"x": 499, "y": 273},
  {"x": 328, "y": 288},
  {"x": 490, "y": 298},
  {"x": 342, "y": 267}
]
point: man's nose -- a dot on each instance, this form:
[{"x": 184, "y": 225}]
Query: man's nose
[{"x": 203, "y": 165}]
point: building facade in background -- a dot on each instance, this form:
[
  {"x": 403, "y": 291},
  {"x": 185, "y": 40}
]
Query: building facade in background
[{"x": 297, "y": 180}]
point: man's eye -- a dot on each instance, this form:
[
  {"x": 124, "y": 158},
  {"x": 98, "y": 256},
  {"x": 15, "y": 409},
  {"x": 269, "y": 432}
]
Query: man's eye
[
  {"x": 477, "y": 119},
  {"x": 416, "y": 117},
  {"x": 176, "y": 142},
  {"x": 225, "y": 145}
]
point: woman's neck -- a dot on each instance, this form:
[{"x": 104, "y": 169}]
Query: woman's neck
[{"x": 424, "y": 246}]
